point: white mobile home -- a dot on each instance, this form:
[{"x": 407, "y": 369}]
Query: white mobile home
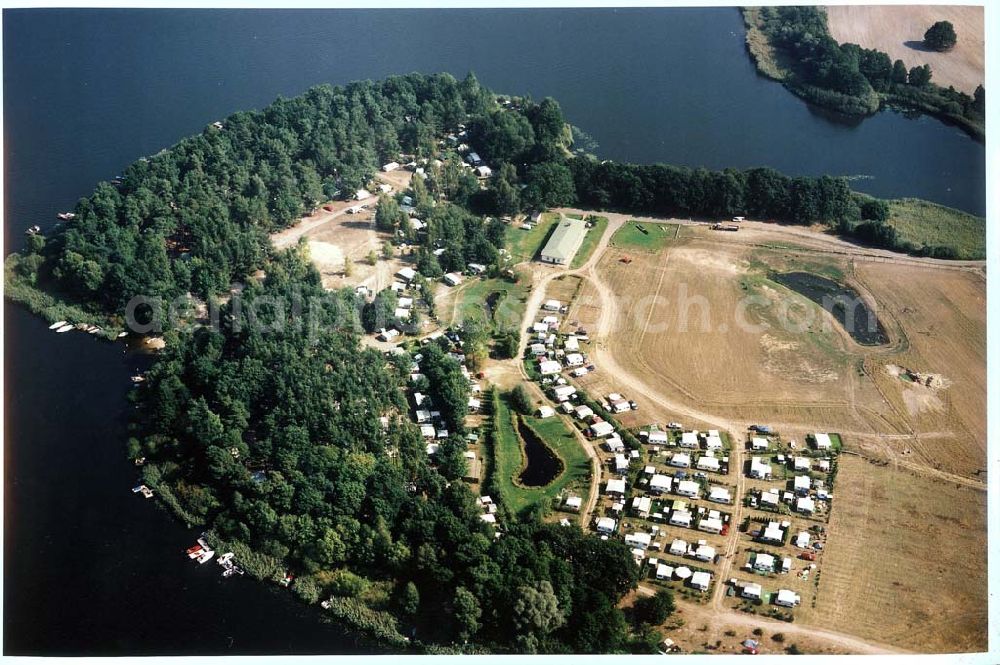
[
  {"x": 710, "y": 525},
  {"x": 700, "y": 580},
  {"x": 681, "y": 460},
  {"x": 638, "y": 539},
  {"x": 689, "y": 440},
  {"x": 706, "y": 463},
  {"x": 759, "y": 469},
  {"x": 615, "y": 487},
  {"x": 719, "y": 495},
  {"x": 802, "y": 485},
  {"x": 657, "y": 438},
  {"x": 822, "y": 441},
  {"x": 805, "y": 505},
  {"x": 660, "y": 483},
  {"x": 751, "y": 591},
  {"x": 606, "y": 525},
  {"x": 547, "y": 367},
  {"x": 680, "y": 518},
  {"x": 786, "y": 598},
  {"x": 763, "y": 563},
  {"x": 601, "y": 429},
  {"x": 687, "y": 488}
]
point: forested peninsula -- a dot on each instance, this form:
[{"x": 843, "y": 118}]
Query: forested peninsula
[
  {"x": 793, "y": 45},
  {"x": 290, "y": 443}
]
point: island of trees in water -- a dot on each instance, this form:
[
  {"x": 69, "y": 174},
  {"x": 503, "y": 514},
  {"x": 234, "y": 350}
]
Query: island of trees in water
[{"x": 291, "y": 444}]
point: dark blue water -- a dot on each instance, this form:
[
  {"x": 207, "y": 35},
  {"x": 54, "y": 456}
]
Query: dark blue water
[{"x": 91, "y": 569}]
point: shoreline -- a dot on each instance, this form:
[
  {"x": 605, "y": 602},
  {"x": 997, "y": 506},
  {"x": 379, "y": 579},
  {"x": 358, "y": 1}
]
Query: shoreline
[{"x": 766, "y": 59}]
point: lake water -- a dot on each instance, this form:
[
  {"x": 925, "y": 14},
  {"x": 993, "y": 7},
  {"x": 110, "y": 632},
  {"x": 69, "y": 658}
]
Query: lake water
[{"x": 91, "y": 568}]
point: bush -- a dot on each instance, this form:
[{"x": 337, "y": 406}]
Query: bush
[
  {"x": 778, "y": 637},
  {"x": 345, "y": 583},
  {"x": 521, "y": 400},
  {"x": 380, "y": 625}
]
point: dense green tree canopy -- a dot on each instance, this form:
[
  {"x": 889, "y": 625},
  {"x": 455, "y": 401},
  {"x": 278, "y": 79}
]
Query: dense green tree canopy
[{"x": 941, "y": 36}]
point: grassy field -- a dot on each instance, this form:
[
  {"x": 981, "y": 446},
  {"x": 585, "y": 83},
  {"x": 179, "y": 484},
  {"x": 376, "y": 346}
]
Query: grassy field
[
  {"x": 509, "y": 461},
  {"x": 925, "y": 223},
  {"x": 590, "y": 241},
  {"x": 524, "y": 245},
  {"x": 507, "y": 303},
  {"x": 630, "y": 236}
]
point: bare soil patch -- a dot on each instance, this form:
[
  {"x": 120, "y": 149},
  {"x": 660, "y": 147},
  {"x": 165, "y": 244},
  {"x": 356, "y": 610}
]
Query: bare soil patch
[{"x": 899, "y": 31}]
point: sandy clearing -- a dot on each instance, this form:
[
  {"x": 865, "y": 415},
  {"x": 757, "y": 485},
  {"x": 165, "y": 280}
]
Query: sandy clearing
[{"x": 899, "y": 31}]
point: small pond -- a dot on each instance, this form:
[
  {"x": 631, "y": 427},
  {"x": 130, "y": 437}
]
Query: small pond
[
  {"x": 845, "y": 304},
  {"x": 543, "y": 464}
]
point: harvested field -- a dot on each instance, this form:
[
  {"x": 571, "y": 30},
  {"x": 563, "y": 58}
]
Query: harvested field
[
  {"x": 899, "y": 31},
  {"x": 943, "y": 317},
  {"x": 704, "y": 323},
  {"x": 686, "y": 324},
  {"x": 905, "y": 561}
]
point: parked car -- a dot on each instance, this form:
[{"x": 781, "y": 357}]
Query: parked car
[{"x": 632, "y": 405}]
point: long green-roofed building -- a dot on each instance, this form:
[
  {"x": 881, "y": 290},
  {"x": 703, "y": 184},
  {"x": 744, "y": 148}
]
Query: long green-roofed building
[{"x": 564, "y": 241}]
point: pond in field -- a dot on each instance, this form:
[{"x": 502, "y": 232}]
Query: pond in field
[
  {"x": 543, "y": 464},
  {"x": 854, "y": 313}
]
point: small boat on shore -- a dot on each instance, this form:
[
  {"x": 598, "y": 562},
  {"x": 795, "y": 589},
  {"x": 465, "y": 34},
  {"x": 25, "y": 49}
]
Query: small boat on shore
[
  {"x": 138, "y": 378},
  {"x": 206, "y": 556},
  {"x": 66, "y": 216},
  {"x": 142, "y": 489},
  {"x": 122, "y": 334},
  {"x": 57, "y": 324},
  {"x": 33, "y": 230},
  {"x": 65, "y": 328}
]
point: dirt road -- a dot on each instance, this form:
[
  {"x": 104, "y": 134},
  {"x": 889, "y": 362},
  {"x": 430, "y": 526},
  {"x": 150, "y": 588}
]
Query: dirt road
[
  {"x": 712, "y": 614},
  {"x": 601, "y": 354}
]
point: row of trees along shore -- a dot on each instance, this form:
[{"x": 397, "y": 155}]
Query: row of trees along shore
[
  {"x": 850, "y": 79},
  {"x": 273, "y": 440}
]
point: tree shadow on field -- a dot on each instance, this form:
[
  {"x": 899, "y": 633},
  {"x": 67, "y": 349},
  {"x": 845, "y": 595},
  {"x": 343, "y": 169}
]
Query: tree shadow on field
[{"x": 918, "y": 45}]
